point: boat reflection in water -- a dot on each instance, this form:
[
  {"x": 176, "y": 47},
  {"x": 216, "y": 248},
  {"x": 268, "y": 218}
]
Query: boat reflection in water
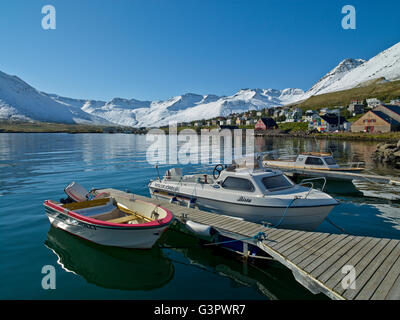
[{"x": 110, "y": 267}]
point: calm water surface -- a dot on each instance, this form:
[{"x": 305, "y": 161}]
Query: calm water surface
[{"x": 35, "y": 167}]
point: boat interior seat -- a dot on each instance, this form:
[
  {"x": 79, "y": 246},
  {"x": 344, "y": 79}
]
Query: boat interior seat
[
  {"x": 198, "y": 177},
  {"x": 124, "y": 219}
]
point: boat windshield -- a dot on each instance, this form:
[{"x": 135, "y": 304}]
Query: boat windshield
[
  {"x": 277, "y": 182},
  {"x": 329, "y": 161}
]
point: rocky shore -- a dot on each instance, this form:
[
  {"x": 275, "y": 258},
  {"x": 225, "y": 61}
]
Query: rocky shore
[{"x": 388, "y": 153}]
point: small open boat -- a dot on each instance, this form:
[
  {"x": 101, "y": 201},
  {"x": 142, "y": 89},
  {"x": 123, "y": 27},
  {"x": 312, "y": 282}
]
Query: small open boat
[
  {"x": 314, "y": 161},
  {"x": 103, "y": 220}
]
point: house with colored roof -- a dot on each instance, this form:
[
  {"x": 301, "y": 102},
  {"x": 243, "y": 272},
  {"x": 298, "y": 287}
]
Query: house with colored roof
[
  {"x": 266, "y": 124},
  {"x": 328, "y": 123},
  {"x": 383, "y": 118}
]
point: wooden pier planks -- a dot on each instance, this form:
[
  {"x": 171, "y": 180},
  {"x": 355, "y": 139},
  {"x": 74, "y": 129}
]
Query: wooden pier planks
[{"x": 316, "y": 259}]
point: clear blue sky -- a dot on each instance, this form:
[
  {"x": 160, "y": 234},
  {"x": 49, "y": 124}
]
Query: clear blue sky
[{"x": 155, "y": 49}]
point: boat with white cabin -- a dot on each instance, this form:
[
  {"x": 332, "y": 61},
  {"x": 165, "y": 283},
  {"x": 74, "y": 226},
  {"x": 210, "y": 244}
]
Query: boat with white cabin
[
  {"x": 313, "y": 161},
  {"x": 254, "y": 194}
]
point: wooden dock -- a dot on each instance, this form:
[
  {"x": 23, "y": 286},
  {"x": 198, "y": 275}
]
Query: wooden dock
[{"x": 321, "y": 262}]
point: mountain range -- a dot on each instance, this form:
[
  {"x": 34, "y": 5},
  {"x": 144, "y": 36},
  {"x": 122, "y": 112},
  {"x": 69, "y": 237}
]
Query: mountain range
[{"x": 21, "y": 102}]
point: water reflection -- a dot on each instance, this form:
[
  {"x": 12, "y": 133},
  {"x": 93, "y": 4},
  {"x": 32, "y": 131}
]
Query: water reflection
[
  {"x": 269, "y": 278},
  {"x": 108, "y": 267}
]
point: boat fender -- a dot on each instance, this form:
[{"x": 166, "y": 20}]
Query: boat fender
[
  {"x": 200, "y": 229},
  {"x": 191, "y": 203}
]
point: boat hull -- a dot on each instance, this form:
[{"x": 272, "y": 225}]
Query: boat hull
[
  {"x": 287, "y": 165},
  {"x": 305, "y": 218},
  {"x": 125, "y": 237}
]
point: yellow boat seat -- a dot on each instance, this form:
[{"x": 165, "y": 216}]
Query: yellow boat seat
[{"x": 123, "y": 219}]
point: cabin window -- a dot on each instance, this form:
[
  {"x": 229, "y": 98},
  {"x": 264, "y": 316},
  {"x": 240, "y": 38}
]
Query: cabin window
[
  {"x": 240, "y": 184},
  {"x": 314, "y": 161},
  {"x": 276, "y": 182},
  {"x": 330, "y": 161}
]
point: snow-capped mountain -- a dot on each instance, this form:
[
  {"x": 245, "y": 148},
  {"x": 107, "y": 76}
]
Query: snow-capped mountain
[
  {"x": 333, "y": 76},
  {"x": 20, "y": 101},
  {"x": 351, "y": 73}
]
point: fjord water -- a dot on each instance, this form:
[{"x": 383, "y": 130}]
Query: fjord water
[{"x": 36, "y": 167}]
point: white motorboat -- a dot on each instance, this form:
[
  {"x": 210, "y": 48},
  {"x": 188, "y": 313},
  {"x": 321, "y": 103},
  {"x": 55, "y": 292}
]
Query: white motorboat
[
  {"x": 313, "y": 161},
  {"x": 258, "y": 195}
]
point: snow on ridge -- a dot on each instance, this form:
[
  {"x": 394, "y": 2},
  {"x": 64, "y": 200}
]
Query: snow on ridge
[
  {"x": 351, "y": 73},
  {"x": 18, "y": 100}
]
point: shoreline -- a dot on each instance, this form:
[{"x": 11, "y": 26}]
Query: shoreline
[
  {"x": 393, "y": 137},
  {"x": 7, "y": 127}
]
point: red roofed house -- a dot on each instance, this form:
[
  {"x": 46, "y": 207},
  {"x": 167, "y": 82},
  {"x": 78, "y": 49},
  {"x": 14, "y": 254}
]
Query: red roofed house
[{"x": 265, "y": 124}]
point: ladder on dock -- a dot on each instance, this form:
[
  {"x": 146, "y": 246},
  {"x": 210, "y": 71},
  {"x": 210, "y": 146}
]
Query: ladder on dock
[{"x": 341, "y": 266}]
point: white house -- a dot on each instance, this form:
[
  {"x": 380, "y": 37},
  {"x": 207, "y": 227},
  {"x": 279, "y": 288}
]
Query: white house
[
  {"x": 310, "y": 115},
  {"x": 373, "y": 102}
]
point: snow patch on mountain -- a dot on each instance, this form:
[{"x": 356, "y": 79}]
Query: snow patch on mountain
[
  {"x": 351, "y": 73},
  {"x": 384, "y": 65},
  {"x": 20, "y": 101}
]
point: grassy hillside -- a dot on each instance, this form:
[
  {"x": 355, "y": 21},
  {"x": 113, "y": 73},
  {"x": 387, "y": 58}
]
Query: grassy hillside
[
  {"x": 383, "y": 91},
  {"x": 13, "y": 126}
]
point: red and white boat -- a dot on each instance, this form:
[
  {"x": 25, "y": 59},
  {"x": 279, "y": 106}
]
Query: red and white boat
[{"x": 131, "y": 224}]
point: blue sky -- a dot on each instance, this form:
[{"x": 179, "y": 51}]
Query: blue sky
[{"x": 156, "y": 49}]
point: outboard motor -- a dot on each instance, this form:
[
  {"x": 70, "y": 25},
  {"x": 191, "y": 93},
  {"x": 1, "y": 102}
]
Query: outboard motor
[{"x": 75, "y": 193}]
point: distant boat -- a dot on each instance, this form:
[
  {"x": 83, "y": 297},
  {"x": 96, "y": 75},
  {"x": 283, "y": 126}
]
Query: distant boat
[
  {"x": 311, "y": 160},
  {"x": 103, "y": 220}
]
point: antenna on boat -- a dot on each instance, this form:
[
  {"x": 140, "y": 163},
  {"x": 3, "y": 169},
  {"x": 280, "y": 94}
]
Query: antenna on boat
[{"x": 158, "y": 172}]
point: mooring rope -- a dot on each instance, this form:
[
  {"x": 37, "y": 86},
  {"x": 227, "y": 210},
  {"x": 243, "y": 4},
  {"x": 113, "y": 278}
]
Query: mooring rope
[{"x": 283, "y": 216}]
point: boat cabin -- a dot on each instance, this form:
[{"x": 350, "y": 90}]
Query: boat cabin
[
  {"x": 235, "y": 179},
  {"x": 316, "y": 159}
]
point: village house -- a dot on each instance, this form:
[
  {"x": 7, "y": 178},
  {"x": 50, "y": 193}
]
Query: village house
[
  {"x": 228, "y": 122},
  {"x": 395, "y": 102},
  {"x": 277, "y": 113},
  {"x": 356, "y": 108},
  {"x": 324, "y": 111},
  {"x": 328, "y": 123},
  {"x": 310, "y": 115},
  {"x": 373, "y": 102},
  {"x": 214, "y": 122},
  {"x": 222, "y": 122},
  {"x": 238, "y": 121},
  {"x": 383, "y": 118},
  {"x": 294, "y": 115},
  {"x": 265, "y": 124}
]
